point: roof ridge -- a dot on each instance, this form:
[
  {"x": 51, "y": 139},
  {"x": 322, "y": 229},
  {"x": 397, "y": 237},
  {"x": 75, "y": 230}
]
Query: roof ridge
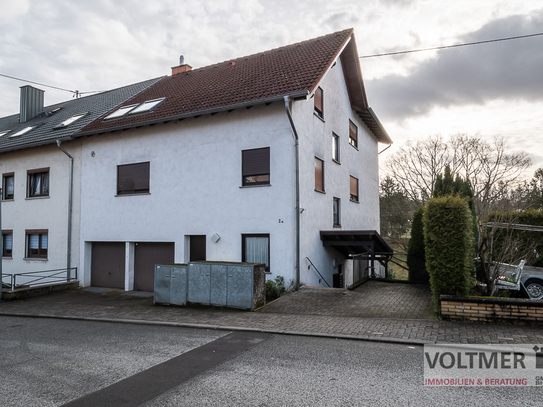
[{"x": 283, "y": 47}]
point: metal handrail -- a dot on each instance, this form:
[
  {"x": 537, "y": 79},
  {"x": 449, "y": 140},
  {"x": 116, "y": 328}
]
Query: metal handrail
[
  {"x": 317, "y": 271},
  {"x": 39, "y": 277}
]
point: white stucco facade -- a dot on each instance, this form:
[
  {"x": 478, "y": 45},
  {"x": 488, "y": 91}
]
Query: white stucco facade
[
  {"x": 195, "y": 188},
  {"x": 50, "y": 213},
  {"x": 196, "y": 184},
  {"x": 362, "y": 163}
]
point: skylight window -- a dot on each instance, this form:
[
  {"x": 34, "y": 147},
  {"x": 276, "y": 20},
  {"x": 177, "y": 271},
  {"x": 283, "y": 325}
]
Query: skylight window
[
  {"x": 23, "y": 131},
  {"x": 4, "y": 132},
  {"x": 69, "y": 121},
  {"x": 147, "y": 106},
  {"x": 121, "y": 112}
]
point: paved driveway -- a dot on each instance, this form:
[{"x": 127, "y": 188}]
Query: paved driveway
[{"x": 373, "y": 299}]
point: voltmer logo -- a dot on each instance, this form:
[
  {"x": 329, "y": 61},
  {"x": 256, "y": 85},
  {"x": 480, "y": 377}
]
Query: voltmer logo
[{"x": 483, "y": 365}]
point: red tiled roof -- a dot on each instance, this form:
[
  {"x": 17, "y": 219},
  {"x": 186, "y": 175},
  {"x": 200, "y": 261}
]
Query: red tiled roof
[{"x": 255, "y": 78}]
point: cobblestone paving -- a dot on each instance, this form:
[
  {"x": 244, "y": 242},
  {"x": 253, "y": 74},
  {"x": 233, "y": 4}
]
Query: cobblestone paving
[
  {"x": 118, "y": 306},
  {"x": 373, "y": 299}
]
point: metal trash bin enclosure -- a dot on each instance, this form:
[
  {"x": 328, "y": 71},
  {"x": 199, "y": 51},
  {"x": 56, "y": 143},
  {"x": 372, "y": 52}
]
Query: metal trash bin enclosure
[
  {"x": 171, "y": 284},
  {"x": 234, "y": 285}
]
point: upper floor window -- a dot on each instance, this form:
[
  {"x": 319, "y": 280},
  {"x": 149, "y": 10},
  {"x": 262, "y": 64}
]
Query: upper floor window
[
  {"x": 8, "y": 186},
  {"x": 336, "y": 212},
  {"x": 133, "y": 178},
  {"x": 319, "y": 175},
  {"x": 36, "y": 244},
  {"x": 319, "y": 105},
  {"x": 335, "y": 147},
  {"x": 7, "y": 243},
  {"x": 353, "y": 134},
  {"x": 38, "y": 183},
  {"x": 354, "y": 189},
  {"x": 255, "y": 166}
]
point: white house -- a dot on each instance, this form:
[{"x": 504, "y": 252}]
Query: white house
[
  {"x": 38, "y": 231},
  {"x": 266, "y": 158}
]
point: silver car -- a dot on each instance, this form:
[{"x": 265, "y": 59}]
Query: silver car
[{"x": 532, "y": 280}]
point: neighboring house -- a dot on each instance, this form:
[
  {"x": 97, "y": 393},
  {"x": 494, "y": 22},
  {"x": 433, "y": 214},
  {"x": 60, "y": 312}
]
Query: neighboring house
[
  {"x": 203, "y": 165},
  {"x": 36, "y": 177}
]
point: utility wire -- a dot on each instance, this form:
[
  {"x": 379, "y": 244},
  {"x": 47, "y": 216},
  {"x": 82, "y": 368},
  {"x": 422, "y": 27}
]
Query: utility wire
[
  {"x": 76, "y": 93},
  {"x": 450, "y": 46},
  {"x": 37, "y": 83}
]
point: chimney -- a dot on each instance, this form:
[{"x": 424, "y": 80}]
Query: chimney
[
  {"x": 182, "y": 66},
  {"x": 31, "y": 103}
]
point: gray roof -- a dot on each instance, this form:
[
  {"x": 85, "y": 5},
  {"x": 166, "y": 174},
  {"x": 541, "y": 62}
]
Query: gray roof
[{"x": 45, "y": 133}]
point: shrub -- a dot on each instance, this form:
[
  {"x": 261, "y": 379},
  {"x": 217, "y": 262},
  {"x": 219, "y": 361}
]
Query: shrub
[
  {"x": 416, "y": 261},
  {"x": 275, "y": 288},
  {"x": 449, "y": 245}
]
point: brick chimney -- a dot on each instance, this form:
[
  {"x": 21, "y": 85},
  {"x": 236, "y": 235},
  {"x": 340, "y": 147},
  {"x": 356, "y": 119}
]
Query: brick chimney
[{"x": 182, "y": 66}]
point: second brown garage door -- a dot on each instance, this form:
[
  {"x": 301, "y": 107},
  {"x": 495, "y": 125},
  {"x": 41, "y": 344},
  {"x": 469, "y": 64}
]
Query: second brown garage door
[{"x": 145, "y": 257}]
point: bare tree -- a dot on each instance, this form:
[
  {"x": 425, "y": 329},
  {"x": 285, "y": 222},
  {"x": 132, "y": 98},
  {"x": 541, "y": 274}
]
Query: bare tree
[
  {"x": 416, "y": 165},
  {"x": 489, "y": 167},
  {"x": 492, "y": 170}
]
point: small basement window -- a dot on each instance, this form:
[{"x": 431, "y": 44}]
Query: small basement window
[
  {"x": 147, "y": 106},
  {"x": 69, "y": 121},
  {"x": 23, "y": 131},
  {"x": 121, "y": 112}
]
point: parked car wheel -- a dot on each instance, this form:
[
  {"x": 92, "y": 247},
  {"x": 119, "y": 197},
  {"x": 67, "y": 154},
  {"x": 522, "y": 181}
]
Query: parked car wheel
[{"x": 534, "y": 289}]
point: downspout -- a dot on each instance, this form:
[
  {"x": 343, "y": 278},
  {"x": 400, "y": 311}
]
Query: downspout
[
  {"x": 70, "y": 203},
  {"x": 287, "y": 108},
  {"x": 382, "y": 151}
]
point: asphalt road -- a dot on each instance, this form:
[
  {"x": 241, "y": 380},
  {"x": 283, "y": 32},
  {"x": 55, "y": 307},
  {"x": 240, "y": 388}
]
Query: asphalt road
[{"x": 48, "y": 362}]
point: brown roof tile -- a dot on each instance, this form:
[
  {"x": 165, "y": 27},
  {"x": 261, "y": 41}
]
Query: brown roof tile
[{"x": 281, "y": 71}]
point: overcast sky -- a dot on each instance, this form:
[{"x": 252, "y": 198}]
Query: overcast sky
[{"x": 492, "y": 89}]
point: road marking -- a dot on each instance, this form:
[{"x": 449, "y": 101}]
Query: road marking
[{"x": 151, "y": 383}]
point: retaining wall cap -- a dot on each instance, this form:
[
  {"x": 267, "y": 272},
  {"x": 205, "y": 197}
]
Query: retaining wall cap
[{"x": 493, "y": 300}]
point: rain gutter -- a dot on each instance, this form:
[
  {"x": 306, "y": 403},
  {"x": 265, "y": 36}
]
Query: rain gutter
[
  {"x": 70, "y": 204},
  {"x": 297, "y": 209}
]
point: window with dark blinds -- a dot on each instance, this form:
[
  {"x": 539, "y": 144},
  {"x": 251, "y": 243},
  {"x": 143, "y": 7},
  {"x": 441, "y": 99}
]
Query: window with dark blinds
[
  {"x": 319, "y": 103},
  {"x": 133, "y": 178},
  {"x": 354, "y": 189},
  {"x": 255, "y": 166},
  {"x": 353, "y": 134},
  {"x": 319, "y": 174}
]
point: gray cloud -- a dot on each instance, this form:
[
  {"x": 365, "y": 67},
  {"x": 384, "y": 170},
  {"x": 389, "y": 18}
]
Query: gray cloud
[
  {"x": 402, "y": 3},
  {"x": 341, "y": 20},
  {"x": 469, "y": 75}
]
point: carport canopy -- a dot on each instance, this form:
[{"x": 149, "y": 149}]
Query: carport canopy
[{"x": 354, "y": 243}]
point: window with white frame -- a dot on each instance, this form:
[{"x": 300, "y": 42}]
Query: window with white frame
[
  {"x": 335, "y": 147},
  {"x": 336, "y": 212}
]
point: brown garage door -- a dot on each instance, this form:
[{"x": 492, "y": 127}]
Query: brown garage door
[
  {"x": 107, "y": 267},
  {"x": 145, "y": 257}
]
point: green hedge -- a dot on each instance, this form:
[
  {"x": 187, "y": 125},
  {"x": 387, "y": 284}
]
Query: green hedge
[
  {"x": 416, "y": 260},
  {"x": 449, "y": 245}
]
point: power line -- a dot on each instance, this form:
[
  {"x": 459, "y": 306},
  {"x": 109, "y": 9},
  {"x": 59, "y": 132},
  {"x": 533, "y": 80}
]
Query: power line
[
  {"x": 41, "y": 84},
  {"x": 450, "y": 46},
  {"x": 76, "y": 93}
]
